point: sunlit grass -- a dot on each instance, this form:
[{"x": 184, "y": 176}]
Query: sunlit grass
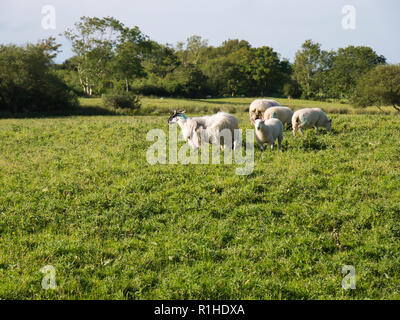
[{"x": 77, "y": 193}]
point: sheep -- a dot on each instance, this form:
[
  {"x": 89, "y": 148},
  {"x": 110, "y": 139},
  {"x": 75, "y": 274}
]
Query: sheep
[
  {"x": 284, "y": 114},
  {"x": 308, "y": 118},
  {"x": 268, "y": 131},
  {"x": 258, "y": 108},
  {"x": 208, "y": 128}
]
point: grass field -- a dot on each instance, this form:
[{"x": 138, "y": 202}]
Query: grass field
[
  {"x": 77, "y": 193},
  {"x": 162, "y": 106}
]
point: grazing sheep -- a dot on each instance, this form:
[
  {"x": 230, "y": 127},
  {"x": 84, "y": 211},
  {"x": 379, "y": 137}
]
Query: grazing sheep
[
  {"x": 284, "y": 114},
  {"x": 268, "y": 131},
  {"x": 258, "y": 108},
  {"x": 308, "y": 118},
  {"x": 209, "y": 128}
]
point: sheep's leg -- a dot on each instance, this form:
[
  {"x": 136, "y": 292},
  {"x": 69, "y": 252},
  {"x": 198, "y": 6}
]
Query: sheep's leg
[
  {"x": 262, "y": 147},
  {"x": 272, "y": 147},
  {"x": 302, "y": 132},
  {"x": 295, "y": 129},
  {"x": 316, "y": 129},
  {"x": 280, "y": 139}
]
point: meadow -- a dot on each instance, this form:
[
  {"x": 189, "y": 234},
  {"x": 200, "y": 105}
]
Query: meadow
[{"x": 77, "y": 193}]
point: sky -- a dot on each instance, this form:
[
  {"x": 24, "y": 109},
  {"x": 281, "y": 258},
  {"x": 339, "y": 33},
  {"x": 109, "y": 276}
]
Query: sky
[{"x": 281, "y": 24}]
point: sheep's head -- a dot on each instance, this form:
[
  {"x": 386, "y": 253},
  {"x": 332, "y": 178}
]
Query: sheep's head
[
  {"x": 176, "y": 115},
  {"x": 329, "y": 125},
  {"x": 258, "y": 124}
]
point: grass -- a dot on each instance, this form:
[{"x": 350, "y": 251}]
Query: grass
[
  {"x": 77, "y": 193},
  {"x": 163, "y": 106}
]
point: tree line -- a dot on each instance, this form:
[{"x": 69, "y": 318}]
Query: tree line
[{"x": 113, "y": 59}]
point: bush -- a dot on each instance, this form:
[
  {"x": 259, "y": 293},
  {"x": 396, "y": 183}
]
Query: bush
[
  {"x": 28, "y": 84},
  {"x": 121, "y": 101}
]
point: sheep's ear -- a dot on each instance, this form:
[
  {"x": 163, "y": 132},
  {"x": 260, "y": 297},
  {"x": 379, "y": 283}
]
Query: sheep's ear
[{"x": 173, "y": 115}]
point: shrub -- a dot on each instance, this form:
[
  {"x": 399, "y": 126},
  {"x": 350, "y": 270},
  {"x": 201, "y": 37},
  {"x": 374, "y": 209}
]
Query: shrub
[{"x": 121, "y": 101}]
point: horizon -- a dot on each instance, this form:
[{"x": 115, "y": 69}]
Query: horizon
[{"x": 174, "y": 21}]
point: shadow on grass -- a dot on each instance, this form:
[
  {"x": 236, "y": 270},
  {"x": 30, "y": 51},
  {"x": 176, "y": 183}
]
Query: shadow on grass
[{"x": 78, "y": 111}]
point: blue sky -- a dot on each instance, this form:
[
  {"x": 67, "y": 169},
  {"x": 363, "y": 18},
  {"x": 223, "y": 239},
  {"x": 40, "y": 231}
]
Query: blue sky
[{"x": 283, "y": 25}]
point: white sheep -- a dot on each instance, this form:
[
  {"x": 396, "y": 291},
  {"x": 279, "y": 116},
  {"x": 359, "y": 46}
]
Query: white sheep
[
  {"x": 258, "y": 108},
  {"x": 309, "y": 118},
  {"x": 209, "y": 129},
  {"x": 284, "y": 114},
  {"x": 268, "y": 131}
]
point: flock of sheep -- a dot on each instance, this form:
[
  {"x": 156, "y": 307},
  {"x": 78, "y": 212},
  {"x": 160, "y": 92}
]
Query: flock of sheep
[{"x": 268, "y": 117}]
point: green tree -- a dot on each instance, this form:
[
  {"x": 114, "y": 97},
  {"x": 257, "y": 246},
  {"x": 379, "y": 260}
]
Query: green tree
[
  {"x": 379, "y": 87},
  {"x": 191, "y": 51},
  {"x": 310, "y": 68},
  {"x": 129, "y": 53},
  {"x": 160, "y": 60},
  {"x": 224, "y": 67},
  {"x": 348, "y": 65},
  {"x": 267, "y": 72},
  {"x": 93, "y": 41},
  {"x": 28, "y": 81}
]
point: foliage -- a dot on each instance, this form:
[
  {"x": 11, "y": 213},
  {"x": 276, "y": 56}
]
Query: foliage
[
  {"x": 379, "y": 87},
  {"x": 113, "y": 58},
  {"x": 310, "y": 68},
  {"x": 122, "y": 101},
  {"x": 322, "y": 74},
  {"x": 106, "y": 50},
  {"x": 348, "y": 66},
  {"x": 292, "y": 89},
  {"x": 27, "y": 81}
]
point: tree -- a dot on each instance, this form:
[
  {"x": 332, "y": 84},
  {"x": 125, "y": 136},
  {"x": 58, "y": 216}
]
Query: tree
[
  {"x": 291, "y": 89},
  {"x": 160, "y": 60},
  {"x": 379, "y": 87},
  {"x": 190, "y": 52},
  {"x": 348, "y": 65},
  {"x": 127, "y": 63},
  {"x": 310, "y": 66},
  {"x": 224, "y": 67},
  {"x": 267, "y": 71},
  {"x": 28, "y": 82},
  {"x": 93, "y": 41},
  {"x": 187, "y": 81}
]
